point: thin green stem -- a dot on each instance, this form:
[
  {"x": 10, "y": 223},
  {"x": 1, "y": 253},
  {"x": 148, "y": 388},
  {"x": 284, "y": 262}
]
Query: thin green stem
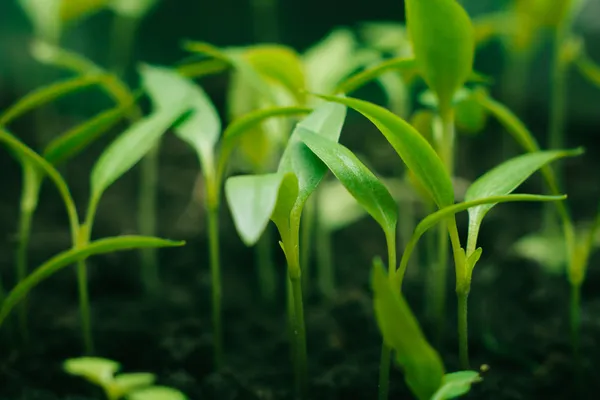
[
  {"x": 267, "y": 274},
  {"x": 291, "y": 320},
  {"x": 575, "y": 318},
  {"x": 123, "y": 38},
  {"x": 385, "y": 361},
  {"x": 463, "y": 331},
  {"x": 306, "y": 230},
  {"x": 215, "y": 270},
  {"x": 463, "y": 287},
  {"x": 147, "y": 211}
]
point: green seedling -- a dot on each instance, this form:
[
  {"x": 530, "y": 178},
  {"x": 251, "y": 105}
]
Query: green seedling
[
  {"x": 202, "y": 131},
  {"x": 138, "y": 385},
  {"x": 280, "y": 197}
]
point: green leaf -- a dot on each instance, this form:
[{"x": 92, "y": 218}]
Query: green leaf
[
  {"x": 357, "y": 178},
  {"x": 129, "y": 148},
  {"x": 47, "y": 94},
  {"x": 471, "y": 117},
  {"x": 45, "y": 17},
  {"x": 168, "y": 91},
  {"x": 356, "y": 81},
  {"x": 337, "y": 208},
  {"x": 505, "y": 178},
  {"x": 157, "y": 393},
  {"x": 127, "y": 383},
  {"x": 456, "y": 384},
  {"x": 415, "y": 151},
  {"x": 589, "y": 70},
  {"x": 69, "y": 257},
  {"x": 326, "y": 120},
  {"x": 422, "y": 365},
  {"x": 253, "y": 199},
  {"x": 131, "y": 8},
  {"x": 76, "y": 10},
  {"x": 443, "y": 43},
  {"x": 75, "y": 140},
  {"x": 99, "y": 371}
]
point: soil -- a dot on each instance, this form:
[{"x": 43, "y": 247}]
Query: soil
[{"x": 518, "y": 312}]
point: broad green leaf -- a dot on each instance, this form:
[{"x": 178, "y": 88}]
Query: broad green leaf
[
  {"x": 131, "y": 8},
  {"x": 69, "y": 257},
  {"x": 45, "y": 17},
  {"x": 422, "y": 365},
  {"x": 357, "y": 178},
  {"x": 252, "y": 200},
  {"x": 326, "y": 120},
  {"x": 99, "y": 371},
  {"x": 47, "y": 94},
  {"x": 129, "y": 148},
  {"x": 589, "y": 70},
  {"x": 456, "y": 384},
  {"x": 505, "y": 178},
  {"x": 168, "y": 91},
  {"x": 243, "y": 125},
  {"x": 443, "y": 43},
  {"x": 129, "y": 382},
  {"x": 27, "y": 155},
  {"x": 157, "y": 393},
  {"x": 77, "y": 139},
  {"x": 360, "y": 79},
  {"x": 415, "y": 151}
]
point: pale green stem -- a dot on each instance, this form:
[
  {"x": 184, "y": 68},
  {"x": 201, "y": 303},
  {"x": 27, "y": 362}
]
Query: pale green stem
[
  {"x": 463, "y": 330},
  {"x": 123, "y": 39},
  {"x": 291, "y": 320},
  {"x": 147, "y": 220},
  {"x": 385, "y": 361},
  {"x": 307, "y": 229},
  {"x": 215, "y": 270},
  {"x": 267, "y": 275}
]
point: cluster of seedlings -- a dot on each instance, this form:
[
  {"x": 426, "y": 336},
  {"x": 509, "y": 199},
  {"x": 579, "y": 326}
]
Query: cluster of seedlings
[{"x": 268, "y": 163}]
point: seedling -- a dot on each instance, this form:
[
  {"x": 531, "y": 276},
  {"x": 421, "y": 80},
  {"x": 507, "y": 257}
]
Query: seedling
[
  {"x": 280, "y": 197},
  {"x": 101, "y": 372}
]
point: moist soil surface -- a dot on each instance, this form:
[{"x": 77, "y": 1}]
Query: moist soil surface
[{"x": 518, "y": 312}]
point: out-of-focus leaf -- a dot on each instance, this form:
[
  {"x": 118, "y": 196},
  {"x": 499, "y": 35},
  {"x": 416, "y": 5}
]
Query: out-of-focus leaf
[
  {"x": 357, "y": 178},
  {"x": 47, "y": 94},
  {"x": 129, "y": 148},
  {"x": 444, "y": 64},
  {"x": 72, "y": 10},
  {"x": 77, "y": 139},
  {"x": 253, "y": 199},
  {"x": 413, "y": 148},
  {"x": 99, "y": 371},
  {"x": 548, "y": 251},
  {"x": 387, "y": 37},
  {"x": 69, "y": 257},
  {"x": 589, "y": 69},
  {"x": 126, "y": 383},
  {"x": 131, "y": 8},
  {"x": 45, "y": 17},
  {"x": 422, "y": 365},
  {"x": 157, "y": 393},
  {"x": 360, "y": 79},
  {"x": 337, "y": 208},
  {"x": 470, "y": 115},
  {"x": 456, "y": 384}
]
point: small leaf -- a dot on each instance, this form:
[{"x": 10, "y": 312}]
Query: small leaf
[
  {"x": 131, "y": 8},
  {"x": 422, "y": 365},
  {"x": 357, "y": 178},
  {"x": 456, "y": 384},
  {"x": 126, "y": 383},
  {"x": 77, "y": 139},
  {"x": 169, "y": 91},
  {"x": 252, "y": 200},
  {"x": 47, "y": 94},
  {"x": 157, "y": 393},
  {"x": 415, "y": 151},
  {"x": 443, "y": 43},
  {"x": 99, "y": 371},
  {"x": 69, "y": 257},
  {"x": 505, "y": 178},
  {"x": 129, "y": 148}
]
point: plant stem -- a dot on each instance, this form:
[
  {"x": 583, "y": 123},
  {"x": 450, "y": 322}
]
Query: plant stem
[
  {"x": 123, "y": 38},
  {"x": 463, "y": 331},
  {"x": 215, "y": 270},
  {"x": 300, "y": 334},
  {"x": 306, "y": 229},
  {"x": 384, "y": 363},
  {"x": 575, "y": 314},
  {"x": 147, "y": 211},
  {"x": 267, "y": 275}
]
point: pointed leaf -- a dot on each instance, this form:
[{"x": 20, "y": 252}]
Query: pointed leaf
[
  {"x": 99, "y": 371},
  {"x": 47, "y": 94},
  {"x": 443, "y": 43},
  {"x": 168, "y": 90},
  {"x": 357, "y": 178},
  {"x": 157, "y": 393},
  {"x": 422, "y": 365},
  {"x": 456, "y": 384},
  {"x": 69, "y": 257},
  {"x": 505, "y": 178},
  {"x": 74, "y": 141},
  {"x": 252, "y": 200},
  {"x": 415, "y": 151},
  {"x": 129, "y": 148}
]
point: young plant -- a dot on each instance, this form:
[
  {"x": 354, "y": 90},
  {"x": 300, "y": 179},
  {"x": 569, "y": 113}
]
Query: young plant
[
  {"x": 131, "y": 386},
  {"x": 280, "y": 197},
  {"x": 202, "y": 130}
]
